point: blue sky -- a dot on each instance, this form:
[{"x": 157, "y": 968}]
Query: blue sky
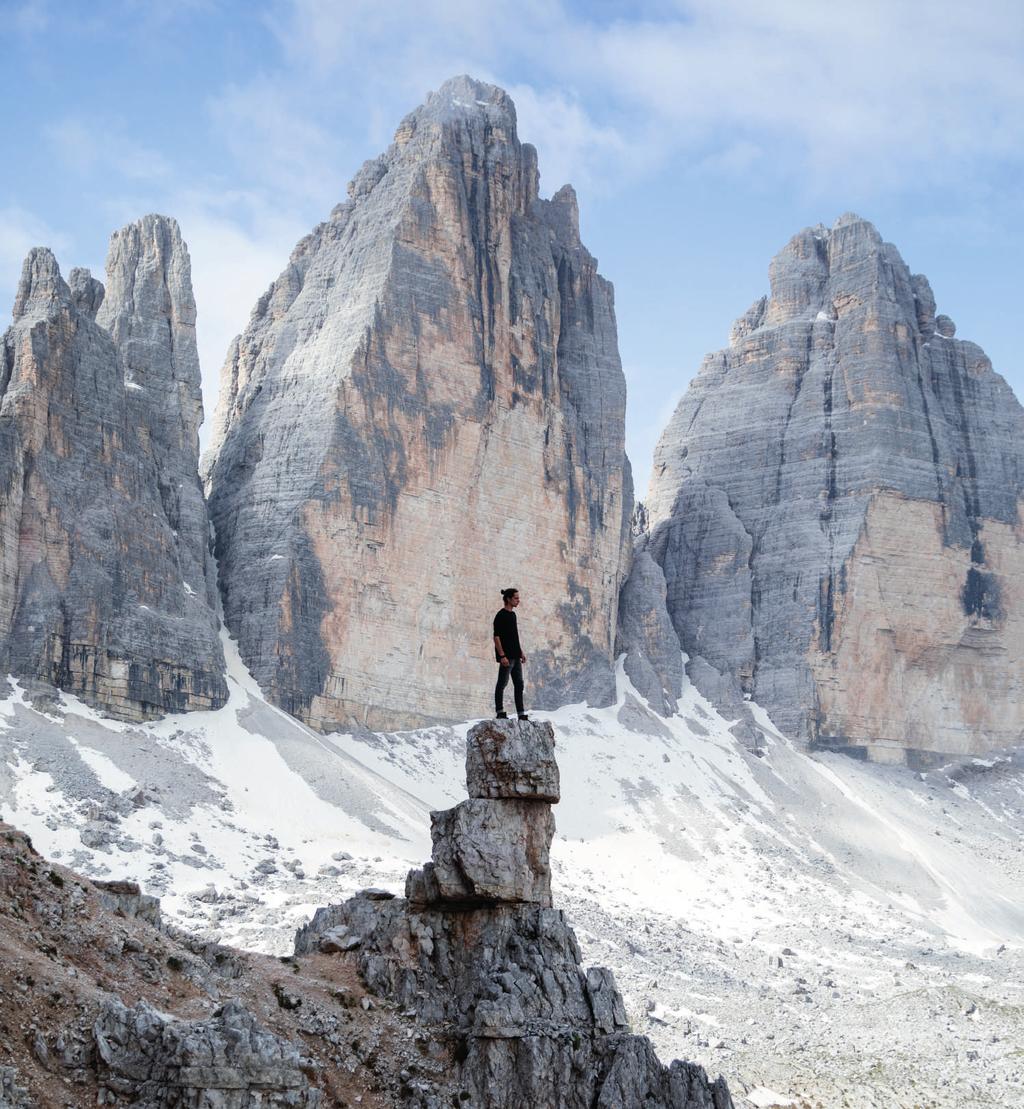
[{"x": 700, "y": 135}]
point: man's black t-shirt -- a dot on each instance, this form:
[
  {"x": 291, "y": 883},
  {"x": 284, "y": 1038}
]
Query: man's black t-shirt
[{"x": 507, "y": 631}]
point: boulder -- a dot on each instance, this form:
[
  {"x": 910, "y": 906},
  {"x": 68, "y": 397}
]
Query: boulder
[
  {"x": 510, "y": 759},
  {"x": 487, "y": 851},
  {"x": 228, "y": 1060}
]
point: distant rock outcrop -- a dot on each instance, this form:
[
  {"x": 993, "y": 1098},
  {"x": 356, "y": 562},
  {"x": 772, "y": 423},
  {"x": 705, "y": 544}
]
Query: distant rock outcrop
[
  {"x": 426, "y": 406},
  {"x": 835, "y": 506},
  {"x": 486, "y": 964},
  {"x": 105, "y": 582},
  {"x": 645, "y": 635}
]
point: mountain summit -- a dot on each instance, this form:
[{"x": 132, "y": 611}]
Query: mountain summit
[
  {"x": 426, "y": 406},
  {"x": 106, "y": 584},
  {"x": 835, "y": 506}
]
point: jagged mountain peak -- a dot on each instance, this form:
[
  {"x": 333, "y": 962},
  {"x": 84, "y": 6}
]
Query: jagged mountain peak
[
  {"x": 41, "y": 286},
  {"x": 852, "y": 560},
  {"x": 441, "y": 337},
  {"x": 464, "y": 95},
  {"x": 106, "y": 584},
  {"x": 86, "y": 292}
]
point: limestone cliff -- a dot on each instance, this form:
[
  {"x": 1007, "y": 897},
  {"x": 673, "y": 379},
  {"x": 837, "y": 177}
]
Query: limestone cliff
[
  {"x": 835, "y": 505},
  {"x": 426, "y": 406},
  {"x": 104, "y": 583}
]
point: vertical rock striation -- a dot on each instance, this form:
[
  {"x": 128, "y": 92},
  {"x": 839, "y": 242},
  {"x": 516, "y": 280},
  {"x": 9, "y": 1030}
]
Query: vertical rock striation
[
  {"x": 104, "y": 590},
  {"x": 835, "y": 505},
  {"x": 489, "y": 968},
  {"x": 426, "y": 406},
  {"x": 150, "y": 312}
]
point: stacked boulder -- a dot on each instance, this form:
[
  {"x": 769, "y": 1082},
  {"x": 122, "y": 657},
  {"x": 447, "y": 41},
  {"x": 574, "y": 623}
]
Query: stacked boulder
[
  {"x": 495, "y": 847},
  {"x": 489, "y": 968}
]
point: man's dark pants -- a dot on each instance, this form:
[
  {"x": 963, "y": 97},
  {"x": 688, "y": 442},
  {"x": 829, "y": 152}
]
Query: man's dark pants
[{"x": 515, "y": 671}]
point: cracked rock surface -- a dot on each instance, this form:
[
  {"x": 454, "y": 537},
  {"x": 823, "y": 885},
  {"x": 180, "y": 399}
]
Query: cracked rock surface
[
  {"x": 435, "y": 372},
  {"x": 105, "y": 577},
  {"x": 835, "y": 506}
]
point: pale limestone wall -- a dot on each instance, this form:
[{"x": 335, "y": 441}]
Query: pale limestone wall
[
  {"x": 427, "y": 406},
  {"x": 909, "y": 668},
  {"x": 835, "y": 508}
]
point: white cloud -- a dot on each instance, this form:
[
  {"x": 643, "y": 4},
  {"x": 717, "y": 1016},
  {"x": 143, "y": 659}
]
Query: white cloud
[
  {"x": 882, "y": 92},
  {"x": 879, "y": 89},
  {"x": 276, "y": 142},
  {"x": 571, "y": 147}
]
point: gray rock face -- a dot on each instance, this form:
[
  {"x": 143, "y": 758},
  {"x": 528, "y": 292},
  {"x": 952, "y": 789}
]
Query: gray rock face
[
  {"x": 228, "y": 1060},
  {"x": 150, "y": 312},
  {"x": 104, "y": 589},
  {"x": 493, "y": 851},
  {"x": 835, "y": 506},
  {"x": 495, "y": 847},
  {"x": 503, "y": 980},
  {"x": 13, "y": 1095},
  {"x": 512, "y": 759},
  {"x": 426, "y": 406},
  {"x": 127, "y": 900},
  {"x": 654, "y": 662}
]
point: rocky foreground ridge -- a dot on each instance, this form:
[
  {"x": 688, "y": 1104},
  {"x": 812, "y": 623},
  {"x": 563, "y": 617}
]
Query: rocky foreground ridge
[
  {"x": 106, "y": 583},
  {"x": 468, "y": 991},
  {"x": 835, "y": 516},
  {"x": 426, "y": 406}
]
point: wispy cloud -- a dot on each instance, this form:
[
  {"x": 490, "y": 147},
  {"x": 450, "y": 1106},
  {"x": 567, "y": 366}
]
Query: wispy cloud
[
  {"x": 575, "y": 148},
  {"x": 880, "y": 90},
  {"x": 31, "y": 17},
  {"x": 90, "y": 147},
  {"x": 871, "y": 89},
  {"x": 276, "y": 140},
  {"x": 863, "y": 100}
]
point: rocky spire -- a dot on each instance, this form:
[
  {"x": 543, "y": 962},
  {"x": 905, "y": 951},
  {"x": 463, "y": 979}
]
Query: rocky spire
[
  {"x": 477, "y": 952},
  {"x": 426, "y": 406},
  {"x": 834, "y": 505},
  {"x": 150, "y": 311},
  {"x": 103, "y": 590}
]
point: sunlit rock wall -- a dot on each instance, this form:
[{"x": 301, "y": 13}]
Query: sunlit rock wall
[
  {"x": 835, "y": 505},
  {"x": 426, "y": 406}
]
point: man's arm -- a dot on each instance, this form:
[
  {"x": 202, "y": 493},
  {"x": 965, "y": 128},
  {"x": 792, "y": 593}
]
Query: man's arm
[{"x": 501, "y": 651}]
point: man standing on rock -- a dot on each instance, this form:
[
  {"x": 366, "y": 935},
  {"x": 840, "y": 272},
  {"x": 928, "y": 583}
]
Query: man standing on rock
[{"x": 509, "y": 655}]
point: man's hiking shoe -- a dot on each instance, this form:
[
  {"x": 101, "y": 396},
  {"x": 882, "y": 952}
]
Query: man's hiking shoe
[
  {"x": 501, "y": 716},
  {"x": 523, "y": 716}
]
